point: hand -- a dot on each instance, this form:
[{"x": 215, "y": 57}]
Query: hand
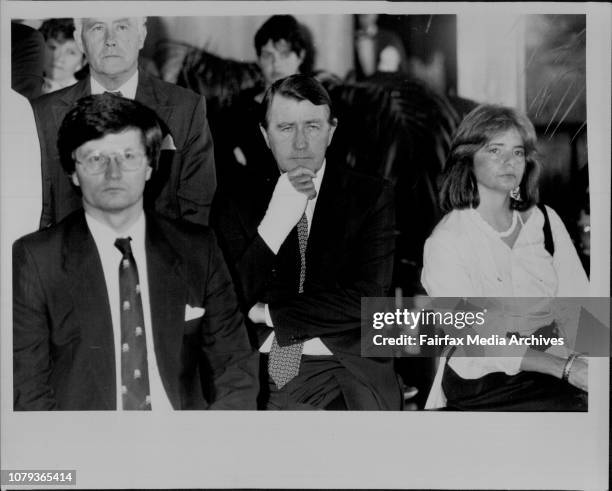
[
  {"x": 286, "y": 207},
  {"x": 579, "y": 374},
  {"x": 301, "y": 179},
  {"x": 257, "y": 314}
]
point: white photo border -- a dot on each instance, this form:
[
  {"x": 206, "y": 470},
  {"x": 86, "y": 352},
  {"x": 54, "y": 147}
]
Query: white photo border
[{"x": 329, "y": 449}]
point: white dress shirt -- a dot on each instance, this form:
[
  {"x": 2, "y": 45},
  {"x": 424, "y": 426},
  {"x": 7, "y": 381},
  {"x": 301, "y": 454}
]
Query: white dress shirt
[
  {"x": 312, "y": 346},
  {"x": 110, "y": 257},
  {"x": 465, "y": 257},
  {"x": 128, "y": 89}
]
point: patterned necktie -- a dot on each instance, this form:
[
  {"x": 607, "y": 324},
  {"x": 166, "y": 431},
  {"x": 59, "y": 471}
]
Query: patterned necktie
[
  {"x": 134, "y": 367},
  {"x": 284, "y": 361},
  {"x": 114, "y": 92}
]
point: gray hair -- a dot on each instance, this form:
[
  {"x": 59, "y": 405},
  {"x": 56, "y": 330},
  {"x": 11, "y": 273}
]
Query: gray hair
[{"x": 78, "y": 25}]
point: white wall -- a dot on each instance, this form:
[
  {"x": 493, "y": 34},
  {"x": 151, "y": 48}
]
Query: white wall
[{"x": 491, "y": 57}]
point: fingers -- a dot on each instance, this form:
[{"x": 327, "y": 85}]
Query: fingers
[
  {"x": 257, "y": 313},
  {"x": 300, "y": 171},
  {"x": 301, "y": 179},
  {"x": 307, "y": 188}
]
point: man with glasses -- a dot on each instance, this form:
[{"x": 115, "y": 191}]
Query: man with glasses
[{"x": 115, "y": 308}]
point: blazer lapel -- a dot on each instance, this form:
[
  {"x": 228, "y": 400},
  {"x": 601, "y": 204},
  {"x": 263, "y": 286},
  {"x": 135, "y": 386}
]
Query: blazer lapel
[
  {"x": 78, "y": 90},
  {"x": 87, "y": 288},
  {"x": 168, "y": 294},
  {"x": 327, "y": 220},
  {"x": 153, "y": 96}
]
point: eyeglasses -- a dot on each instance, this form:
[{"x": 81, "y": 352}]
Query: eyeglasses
[{"x": 97, "y": 163}]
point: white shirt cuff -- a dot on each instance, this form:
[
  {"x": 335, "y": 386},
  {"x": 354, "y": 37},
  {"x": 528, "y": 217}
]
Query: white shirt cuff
[
  {"x": 268, "y": 317},
  {"x": 270, "y": 236}
]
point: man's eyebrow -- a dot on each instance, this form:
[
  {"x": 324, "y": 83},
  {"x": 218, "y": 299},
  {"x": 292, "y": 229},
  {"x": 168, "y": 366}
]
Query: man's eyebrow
[
  {"x": 92, "y": 20},
  {"x": 501, "y": 144}
]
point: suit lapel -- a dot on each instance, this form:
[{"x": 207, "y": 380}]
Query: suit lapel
[
  {"x": 78, "y": 90},
  {"x": 87, "y": 288},
  {"x": 153, "y": 95},
  {"x": 168, "y": 294},
  {"x": 327, "y": 219}
]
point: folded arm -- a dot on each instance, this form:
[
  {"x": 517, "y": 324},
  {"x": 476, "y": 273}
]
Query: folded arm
[{"x": 335, "y": 306}]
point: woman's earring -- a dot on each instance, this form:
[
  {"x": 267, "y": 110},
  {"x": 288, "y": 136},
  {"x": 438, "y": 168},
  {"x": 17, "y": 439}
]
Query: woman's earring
[{"x": 515, "y": 194}]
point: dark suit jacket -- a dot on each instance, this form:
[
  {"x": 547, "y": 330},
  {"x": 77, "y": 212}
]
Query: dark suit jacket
[
  {"x": 63, "y": 344},
  {"x": 184, "y": 183},
  {"x": 349, "y": 256},
  {"x": 27, "y": 60}
]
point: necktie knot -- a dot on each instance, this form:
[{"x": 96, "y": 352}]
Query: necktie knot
[
  {"x": 123, "y": 244},
  {"x": 114, "y": 92}
]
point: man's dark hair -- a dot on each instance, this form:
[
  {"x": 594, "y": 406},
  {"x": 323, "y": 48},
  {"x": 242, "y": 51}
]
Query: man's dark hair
[
  {"x": 96, "y": 116},
  {"x": 297, "y": 87},
  {"x": 297, "y": 35},
  {"x": 459, "y": 187}
]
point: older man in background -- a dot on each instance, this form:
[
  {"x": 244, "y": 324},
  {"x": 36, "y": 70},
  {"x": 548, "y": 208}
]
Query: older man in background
[{"x": 185, "y": 184}]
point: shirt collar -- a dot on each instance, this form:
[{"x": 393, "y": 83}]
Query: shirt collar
[
  {"x": 319, "y": 177},
  {"x": 103, "y": 234},
  {"x": 128, "y": 89}
]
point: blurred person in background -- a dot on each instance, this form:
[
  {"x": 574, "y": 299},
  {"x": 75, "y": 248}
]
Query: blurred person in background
[
  {"x": 63, "y": 58},
  {"x": 284, "y": 47},
  {"x": 27, "y": 59},
  {"x": 377, "y": 50}
]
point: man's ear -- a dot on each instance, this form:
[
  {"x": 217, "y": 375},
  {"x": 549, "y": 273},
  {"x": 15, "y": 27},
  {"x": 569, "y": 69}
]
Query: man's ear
[
  {"x": 334, "y": 125},
  {"x": 148, "y": 172},
  {"x": 302, "y": 55},
  {"x": 142, "y": 35},
  {"x": 265, "y": 135},
  {"x": 78, "y": 39},
  {"x": 75, "y": 179}
]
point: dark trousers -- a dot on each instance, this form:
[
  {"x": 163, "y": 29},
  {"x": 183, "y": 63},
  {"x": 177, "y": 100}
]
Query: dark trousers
[
  {"x": 322, "y": 383},
  {"x": 525, "y": 391}
]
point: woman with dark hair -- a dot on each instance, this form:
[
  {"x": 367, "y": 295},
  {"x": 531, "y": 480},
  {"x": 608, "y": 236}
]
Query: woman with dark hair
[
  {"x": 495, "y": 242},
  {"x": 284, "y": 47},
  {"x": 64, "y": 58}
]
